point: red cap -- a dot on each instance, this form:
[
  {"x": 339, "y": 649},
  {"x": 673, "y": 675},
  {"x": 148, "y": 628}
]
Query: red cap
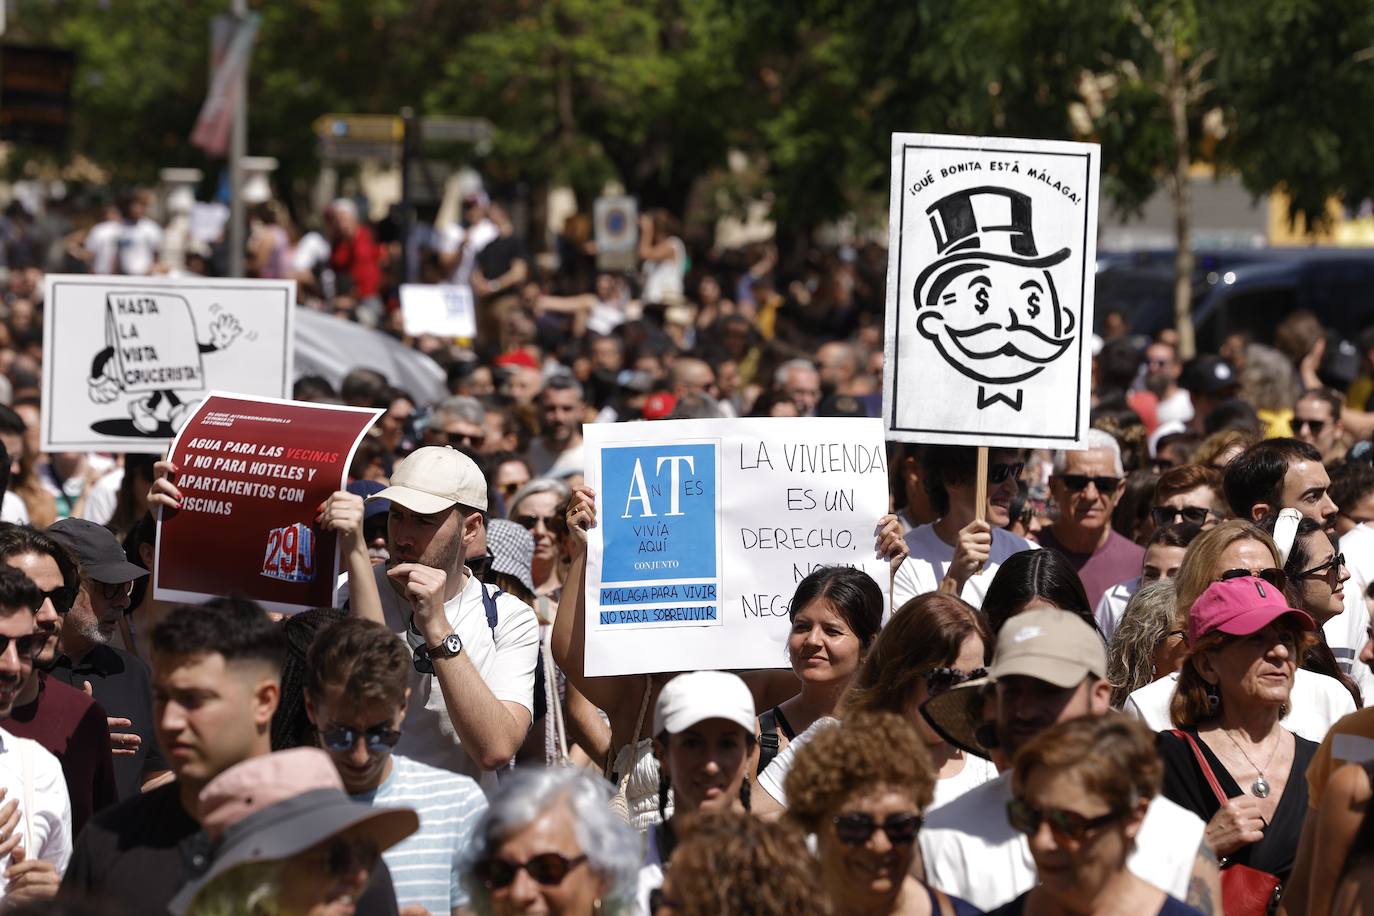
[
  {"x": 1239, "y": 607},
  {"x": 517, "y": 358},
  {"x": 658, "y": 405}
]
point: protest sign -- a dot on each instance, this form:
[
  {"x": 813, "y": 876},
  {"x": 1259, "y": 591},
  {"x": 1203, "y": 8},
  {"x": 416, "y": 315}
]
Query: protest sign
[
  {"x": 705, "y": 527},
  {"x": 615, "y": 223},
  {"x": 252, "y": 474},
  {"x": 125, "y": 359},
  {"x": 443, "y": 309},
  {"x": 990, "y": 290}
]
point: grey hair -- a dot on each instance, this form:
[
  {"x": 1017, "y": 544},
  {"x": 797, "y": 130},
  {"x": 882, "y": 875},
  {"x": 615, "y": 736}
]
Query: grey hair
[
  {"x": 461, "y": 407},
  {"x": 780, "y": 374},
  {"x": 540, "y": 485},
  {"x": 1097, "y": 439},
  {"x": 610, "y": 845},
  {"x": 1148, "y": 618},
  {"x": 1269, "y": 380},
  {"x": 562, "y": 381},
  {"x": 345, "y": 205}
]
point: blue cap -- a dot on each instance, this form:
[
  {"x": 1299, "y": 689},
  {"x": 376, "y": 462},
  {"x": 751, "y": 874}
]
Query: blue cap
[{"x": 371, "y": 507}]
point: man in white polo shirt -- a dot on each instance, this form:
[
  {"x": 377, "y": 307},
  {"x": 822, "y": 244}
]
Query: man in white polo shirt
[
  {"x": 475, "y": 648},
  {"x": 1050, "y": 666}
]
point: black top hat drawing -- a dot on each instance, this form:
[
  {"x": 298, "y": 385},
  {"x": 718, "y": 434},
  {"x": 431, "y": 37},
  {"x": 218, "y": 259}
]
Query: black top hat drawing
[{"x": 984, "y": 223}]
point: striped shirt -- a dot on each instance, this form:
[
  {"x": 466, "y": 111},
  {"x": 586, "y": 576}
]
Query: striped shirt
[{"x": 424, "y": 866}]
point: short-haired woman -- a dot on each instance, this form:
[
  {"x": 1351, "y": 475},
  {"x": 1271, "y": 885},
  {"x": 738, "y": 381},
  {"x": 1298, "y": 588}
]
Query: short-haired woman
[
  {"x": 1235, "y": 687},
  {"x": 862, "y": 789},
  {"x": 1080, "y": 790},
  {"x": 551, "y": 843}
]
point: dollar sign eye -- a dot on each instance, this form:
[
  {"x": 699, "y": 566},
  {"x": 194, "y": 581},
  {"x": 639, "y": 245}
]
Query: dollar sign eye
[
  {"x": 981, "y": 297},
  {"x": 1033, "y": 304}
]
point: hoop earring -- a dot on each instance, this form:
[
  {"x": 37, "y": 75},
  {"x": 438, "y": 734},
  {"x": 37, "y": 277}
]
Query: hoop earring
[{"x": 1213, "y": 700}]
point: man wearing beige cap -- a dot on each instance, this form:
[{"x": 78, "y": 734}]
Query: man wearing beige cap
[
  {"x": 1049, "y": 667},
  {"x": 475, "y": 648}
]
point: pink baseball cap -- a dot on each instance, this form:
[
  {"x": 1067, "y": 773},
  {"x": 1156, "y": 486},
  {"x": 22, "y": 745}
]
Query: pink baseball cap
[{"x": 1239, "y": 607}]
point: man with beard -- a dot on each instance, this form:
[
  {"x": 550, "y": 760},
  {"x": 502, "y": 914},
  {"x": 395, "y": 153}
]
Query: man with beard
[
  {"x": 59, "y": 717},
  {"x": 118, "y": 680},
  {"x": 558, "y": 452},
  {"x": 1049, "y": 666},
  {"x": 475, "y": 648},
  {"x": 1162, "y": 372},
  {"x": 29, "y": 775}
]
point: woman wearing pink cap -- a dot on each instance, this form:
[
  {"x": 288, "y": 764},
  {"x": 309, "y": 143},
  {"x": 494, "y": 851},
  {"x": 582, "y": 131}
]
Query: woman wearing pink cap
[{"x": 1229, "y": 760}]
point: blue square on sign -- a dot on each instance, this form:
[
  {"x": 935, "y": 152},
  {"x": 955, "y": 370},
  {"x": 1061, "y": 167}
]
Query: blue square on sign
[{"x": 659, "y": 513}]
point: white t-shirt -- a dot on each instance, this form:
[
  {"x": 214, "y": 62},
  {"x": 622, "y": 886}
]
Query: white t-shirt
[
  {"x": 451, "y": 239},
  {"x": 120, "y": 247},
  {"x": 1317, "y": 701},
  {"x": 924, "y": 569},
  {"x": 1177, "y": 406},
  {"x": 971, "y": 851},
  {"x": 13, "y": 510},
  {"x": 976, "y": 770},
  {"x": 47, "y": 811},
  {"x": 506, "y": 663},
  {"x": 1112, "y": 607},
  {"x": 1347, "y": 631},
  {"x": 663, "y": 279}
]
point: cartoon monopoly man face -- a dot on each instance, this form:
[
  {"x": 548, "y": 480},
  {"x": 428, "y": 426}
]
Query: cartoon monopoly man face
[{"x": 988, "y": 303}]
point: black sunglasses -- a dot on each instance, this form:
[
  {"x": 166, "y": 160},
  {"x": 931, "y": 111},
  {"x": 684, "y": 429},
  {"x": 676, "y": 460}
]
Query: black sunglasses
[
  {"x": 855, "y": 828},
  {"x": 340, "y": 739},
  {"x": 1000, "y": 472},
  {"x": 1330, "y": 568},
  {"x": 1164, "y": 516},
  {"x": 62, "y": 598},
  {"x": 554, "y": 523},
  {"x": 457, "y": 439},
  {"x": 548, "y": 868},
  {"x": 422, "y": 662},
  {"x": 1076, "y": 482},
  {"x": 113, "y": 590},
  {"x": 938, "y": 680},
  {"x": 1275, "y": 577},
  {"x": 1069, "y": 825},
  {"x": 1315, "y": 425},
  {"x": 26, "y": 646}
]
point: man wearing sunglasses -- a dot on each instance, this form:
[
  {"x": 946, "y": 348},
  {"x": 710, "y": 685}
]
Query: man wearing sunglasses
[
  {"x": 29, "y": 774},
  {"x": 459, "y": 422},
  {"x": 957, "y": 553},
  {"x": 1189, "y": 493},
  {"x": 1317, "y": 421},
  {"x": 118, "y": 680},
  {"x": 1085, "y": 488},
  {"x": 355, "y": 696},
  {"x": 1049, "y": 666}
]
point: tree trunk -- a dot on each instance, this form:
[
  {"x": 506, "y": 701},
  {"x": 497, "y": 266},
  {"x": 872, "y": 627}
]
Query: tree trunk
[{"x": 1183, "y": 218}]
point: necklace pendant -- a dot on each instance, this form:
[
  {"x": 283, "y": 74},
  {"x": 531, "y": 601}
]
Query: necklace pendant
[{"x": 1260, "y": 787}]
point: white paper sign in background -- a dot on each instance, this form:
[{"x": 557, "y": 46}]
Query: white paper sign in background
[
  {"x": 126, "y": 359},
  {"x": 442, "y": 309},
  {"x": 705, "y": 527},
  {"x": 991, "y": 260}
]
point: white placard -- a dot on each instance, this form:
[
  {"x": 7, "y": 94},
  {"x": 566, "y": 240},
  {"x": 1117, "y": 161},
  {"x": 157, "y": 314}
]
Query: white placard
[
  {"x": 126, "y": 359},
  {"x": 705, "y": 527},
  {"x": 991, "y": 260},
  {"x": 441, "y": 309}
]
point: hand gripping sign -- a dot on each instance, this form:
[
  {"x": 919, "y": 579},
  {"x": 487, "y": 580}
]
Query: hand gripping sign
[{"x": 990, "y": 291}]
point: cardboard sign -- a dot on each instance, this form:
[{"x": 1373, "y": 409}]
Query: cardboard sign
[
  {"x": 616, "y": 229},
  {"x": 252, "y": 473},
  {"x": 125, "y": 359},
  {"x": 705, "y": 527},
  {"x": 990, "y": 290},
  {"x": 444, "y": 309}
]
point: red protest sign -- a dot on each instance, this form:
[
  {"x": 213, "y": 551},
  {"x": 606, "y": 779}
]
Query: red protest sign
[{"x": 252, "y": 473}]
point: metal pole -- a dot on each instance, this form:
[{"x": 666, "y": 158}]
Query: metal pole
[
  {"x": 410, "y": 130},
  {"x": 238, "y": 148}
]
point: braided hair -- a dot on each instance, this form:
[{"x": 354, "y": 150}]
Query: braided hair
[{"x": 290, "y": 725}]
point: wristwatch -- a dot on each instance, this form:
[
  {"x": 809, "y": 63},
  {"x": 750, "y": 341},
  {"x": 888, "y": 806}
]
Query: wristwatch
[{"x": 448, "y": 647}]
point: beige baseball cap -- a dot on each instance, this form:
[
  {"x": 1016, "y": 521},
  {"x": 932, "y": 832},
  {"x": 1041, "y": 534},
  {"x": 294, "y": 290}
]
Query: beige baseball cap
[
  {"x": 434, "y": 478},
  {"x": 1057, "y": 647}
]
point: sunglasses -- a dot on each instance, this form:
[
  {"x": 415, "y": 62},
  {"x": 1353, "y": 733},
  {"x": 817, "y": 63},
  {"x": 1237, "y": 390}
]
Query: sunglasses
[
  {"x": 342, "y": 858},
  {"x": 1000, "y": 472},
  {"x": 340, "y": 739},
  {"x": 548, "y": 868},
  {"x": 112, "y": 590},
  {"x": 1330, "y": 569},
  {"x": 25, "y": 646},
  {"x": 938, "y": 680},
  {"x": 1315, "y": 425},
  {"x": 855, "y": 828},
  {"x": 1076, "y": 482},
  {"x": 456, "y": 439},
  {"x": 1275, "y": 577},
  {"x": 529, "y": 522},
  {"x": 62, "y": 598},
  {"x": 1164, "y": 516},
  {"x": 1065, "y": 825}
]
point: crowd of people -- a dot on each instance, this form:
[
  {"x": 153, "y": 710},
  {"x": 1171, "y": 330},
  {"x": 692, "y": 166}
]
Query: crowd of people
[{"x": 1132, "y": 680}]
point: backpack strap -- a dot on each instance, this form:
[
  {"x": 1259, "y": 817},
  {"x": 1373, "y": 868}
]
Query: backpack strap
[{"x": 489, "y": 605}]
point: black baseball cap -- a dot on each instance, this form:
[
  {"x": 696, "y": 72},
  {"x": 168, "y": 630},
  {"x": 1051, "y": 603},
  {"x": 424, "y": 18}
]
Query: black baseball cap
[
  {"x": 1208, "y": 374},
  {"x": 95, "y": 550}
]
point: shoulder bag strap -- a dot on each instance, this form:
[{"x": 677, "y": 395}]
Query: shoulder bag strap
[{"x": 1202, "y": 763}]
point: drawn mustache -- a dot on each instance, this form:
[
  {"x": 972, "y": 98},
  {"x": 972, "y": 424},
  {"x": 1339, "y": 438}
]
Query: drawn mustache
[{"x": 992, "y": 339}]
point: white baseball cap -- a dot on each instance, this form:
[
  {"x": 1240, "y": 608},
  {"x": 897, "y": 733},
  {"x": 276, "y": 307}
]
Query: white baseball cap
[
  {"x": 700, "y": 695},
  {"x": 434, "y": 478}
]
